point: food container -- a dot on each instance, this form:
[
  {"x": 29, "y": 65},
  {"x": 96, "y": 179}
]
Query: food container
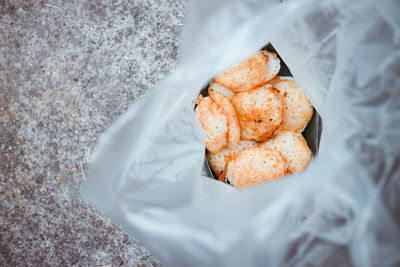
[{"x": 311, "y": 133}]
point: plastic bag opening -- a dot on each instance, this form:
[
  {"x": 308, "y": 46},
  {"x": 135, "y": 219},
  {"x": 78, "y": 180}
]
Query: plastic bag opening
[{"x": 312, "y": 133}]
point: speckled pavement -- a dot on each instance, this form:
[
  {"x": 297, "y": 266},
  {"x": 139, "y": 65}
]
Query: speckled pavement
[{"x": 67, "y": 70}]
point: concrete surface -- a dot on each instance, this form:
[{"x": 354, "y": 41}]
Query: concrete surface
[{"x": 67, "y": 70}]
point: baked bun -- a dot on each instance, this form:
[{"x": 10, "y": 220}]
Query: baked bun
[
  {"x": 230, "y": 113},
  {"x": 274, "y": 64},
  {"x": 298, "y": 109},
  {"x": 221, "y": 89},
  {"x": 253, "y": 166},
  {"x": 260, "y": 112},
  {"x": 214, "y": 123},
  {"x": 217, "y": 161},
  {"x": 293, "y": 148},
  {"x": 251, "y": 73}
]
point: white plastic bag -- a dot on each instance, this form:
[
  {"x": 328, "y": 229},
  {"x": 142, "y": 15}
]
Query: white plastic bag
[{"x": 343, "y": 210}]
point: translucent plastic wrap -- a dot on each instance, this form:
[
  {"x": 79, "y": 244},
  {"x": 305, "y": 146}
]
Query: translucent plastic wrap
[{"x": 343, "y": 210}]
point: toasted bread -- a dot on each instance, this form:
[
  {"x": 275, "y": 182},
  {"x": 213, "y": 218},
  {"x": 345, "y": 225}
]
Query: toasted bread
[
  {"x": 214, "y": 123},
  {"x": 217, "y": 161},
  {"x": 253, "y": 166},
  {"x": 293, "y": 148},
  {"x": 260, "y": 112},
  {"x": 298, "y": 109},
  {"x": 221, "y": 89},
  {"x": 227, "y": 109},
  {"x": 251, "y": 73}
]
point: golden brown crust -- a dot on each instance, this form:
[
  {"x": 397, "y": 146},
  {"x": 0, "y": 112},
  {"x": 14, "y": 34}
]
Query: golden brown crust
[
  {"x": 220, "y": 89},
  {"x": 298, "y": 108},
  {"x": 253, "y": 166},
  {"x": 228, "y": 110},
  {"x": 214, "y": 123},
  {"x": 294, "y": 149},
  {"x": 251, "y": 73},
  {"x": 217, "y": 161},
  {"x": 260, "y": 112}
]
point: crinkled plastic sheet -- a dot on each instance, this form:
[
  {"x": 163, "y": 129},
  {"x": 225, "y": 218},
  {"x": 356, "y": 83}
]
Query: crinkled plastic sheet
[{"x": 343, "y": 210}]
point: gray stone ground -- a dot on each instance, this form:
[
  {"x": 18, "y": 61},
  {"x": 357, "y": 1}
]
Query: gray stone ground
[{"x": 67, "y": 70}]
